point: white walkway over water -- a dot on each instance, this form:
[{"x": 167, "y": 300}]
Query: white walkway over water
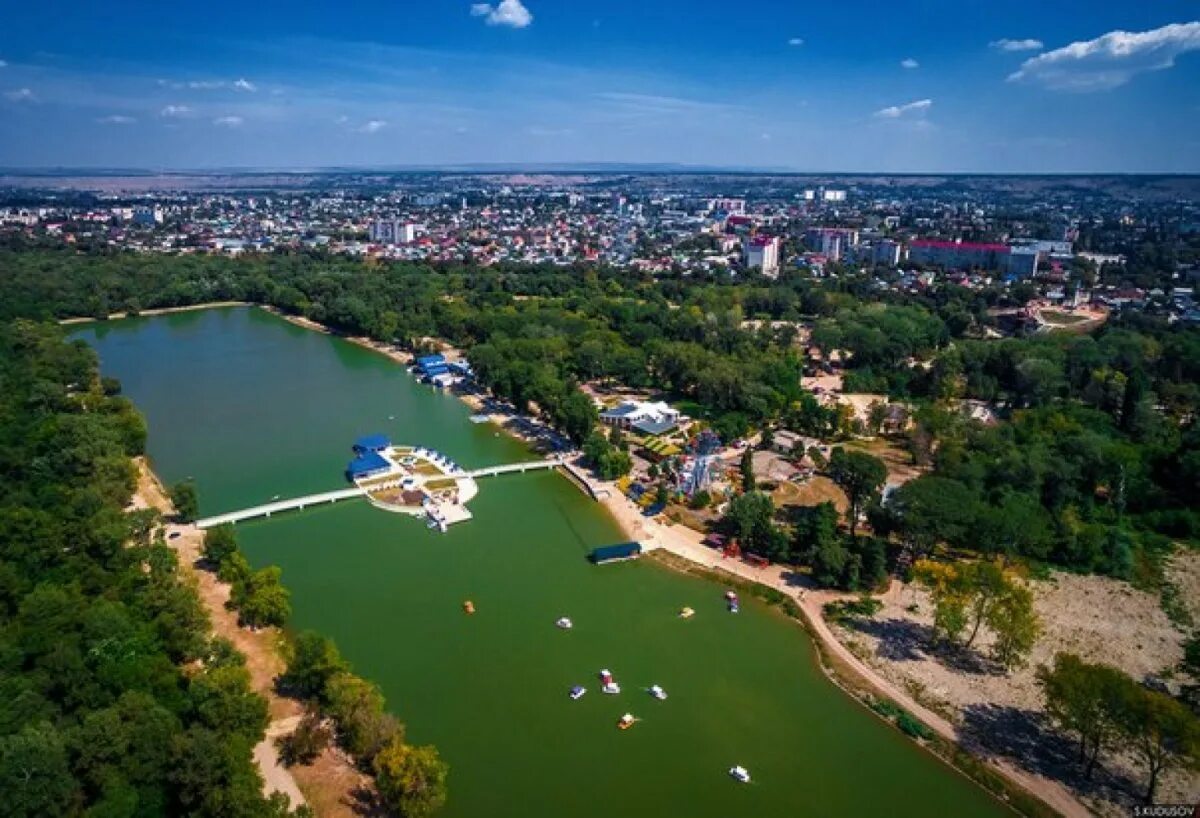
[{"x": 299, "y": 503}]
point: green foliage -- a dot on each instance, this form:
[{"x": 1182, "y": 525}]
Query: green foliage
[
  {"x": 609, "y": 461},
  {"x": 747, "y": 470},
  {"x": 306, "y": 742},
  {"x": 186, "y": 501},
  {"x": 905, "y": 721},
  {"x": 845, "y": 610},
  {"x": 411, "y": 780},
  {"x": 969, "y": 595},
  {"x": 858, "y": 474},
  {"x": 751, "y": 519},
  {"x": 96, "y": 716},
  {"x": 1105, "y": 709},
  {"x": 261, "y": 600},
  {"x": 219, "y": 543},
  {"x": 364, "y": 728},
  {"x": 314, "y": 660}
]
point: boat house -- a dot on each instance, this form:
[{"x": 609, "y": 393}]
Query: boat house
[
  {"x": 616, "y": 553},
  {"x": 430, "y": 366}
]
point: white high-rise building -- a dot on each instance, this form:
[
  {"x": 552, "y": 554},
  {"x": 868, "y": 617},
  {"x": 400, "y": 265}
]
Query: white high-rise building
[{"x": 762, "y": 252}]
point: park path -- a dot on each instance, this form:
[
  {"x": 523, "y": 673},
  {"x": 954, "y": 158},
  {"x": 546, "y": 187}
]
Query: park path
[{"x": 686, "y": 543}]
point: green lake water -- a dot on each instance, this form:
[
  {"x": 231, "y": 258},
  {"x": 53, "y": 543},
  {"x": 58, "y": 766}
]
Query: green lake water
[{"x": 251, "y": 407}]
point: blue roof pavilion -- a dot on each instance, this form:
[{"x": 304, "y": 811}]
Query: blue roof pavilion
[
  {"x": 366, "y": 465},
  {"x": 371, "y": 443}
]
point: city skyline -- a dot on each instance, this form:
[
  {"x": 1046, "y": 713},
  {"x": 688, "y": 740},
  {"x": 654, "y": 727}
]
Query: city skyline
[{"x": 1081, "y": 88}]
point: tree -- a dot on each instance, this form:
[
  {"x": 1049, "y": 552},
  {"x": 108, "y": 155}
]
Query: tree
[
  {"x": 858, "y": 474},
  {"x": 930, "y": 510},
  {"x": 747, "y": 470},
  {"x": 306, "y": 742},
  {"x": 968, "y": 595},
  {"x": 1083, "y": 699},
  {"x": 751, "y": 519},
  {"x": 357, "y": 706},
  {"x": 313, "y": 662},
  {"x": 1015, "y": 625},
  {"x": 261, "y": 599},
  {"x": 767, "y": 440},
  {"x": 186, "y": 502},
  {"x": 578, "y": 416},
  {"x": 219, "y": 543},
  {"x": 34, "y": 775},
  {"x": 815, "y": 541},
  {"x": 1162, "y": 732},
  {"x": 411, "y": 780}
]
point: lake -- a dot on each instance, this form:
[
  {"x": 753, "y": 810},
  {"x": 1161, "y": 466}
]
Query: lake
[{"x": 251, "y": 407}]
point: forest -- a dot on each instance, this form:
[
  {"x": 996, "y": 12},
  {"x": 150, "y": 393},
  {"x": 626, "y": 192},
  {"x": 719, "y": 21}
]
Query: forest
[
  {"x": 1093, "y": 465},
  {"x": 114, "y": 700}
]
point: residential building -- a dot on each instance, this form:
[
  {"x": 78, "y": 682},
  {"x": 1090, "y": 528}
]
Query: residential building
[
  {"x": 393, "y": 231},
  {"x": 762, "y": 252}
]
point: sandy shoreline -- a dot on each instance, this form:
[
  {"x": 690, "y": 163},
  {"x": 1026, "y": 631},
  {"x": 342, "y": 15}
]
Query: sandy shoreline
[
  {"x": 330, "y": 784},
  {"x": 116, "y": 316}
]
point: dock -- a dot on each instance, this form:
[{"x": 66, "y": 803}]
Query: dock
[{"x": 300, "y": 503}]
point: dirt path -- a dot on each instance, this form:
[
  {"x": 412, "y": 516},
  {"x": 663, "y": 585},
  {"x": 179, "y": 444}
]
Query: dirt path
[
  {"x": 330, "y": 785},
  {"x": 686, "y": 543}
]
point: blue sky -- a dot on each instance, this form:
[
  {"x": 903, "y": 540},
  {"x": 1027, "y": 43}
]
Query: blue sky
[{"x": 930, "y": 85}]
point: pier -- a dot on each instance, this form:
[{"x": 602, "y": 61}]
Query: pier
[
  {"x": 267, "y": 509},
  {"x": 300, "y": 503}
]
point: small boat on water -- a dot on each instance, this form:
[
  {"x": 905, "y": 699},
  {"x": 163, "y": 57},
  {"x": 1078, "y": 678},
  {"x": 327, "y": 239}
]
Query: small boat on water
[
  {"x": 469, "y": 606},
  {"x": 740, "y": 774},
  {"x": 686, "y": 613},
  {"x": 577, "y": 692},
  {"x": 657, "y": 692},
  {"x": 626, "y": 721},
  {"x": 609, "y": 684},
  {"x": 564, "y": 623},
  {"x": 732, "y": 599}
]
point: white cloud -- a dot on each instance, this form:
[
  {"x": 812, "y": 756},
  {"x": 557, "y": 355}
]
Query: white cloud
[
  {"x": 116, "y": 119},
  {"x": 1110, "y": 60},
  {"x": 1006, "y": 44},
  {"x": 372, "y": 126},
  {"x": 243, "y": 84},
  {"x": 917, "y": 108},
  {"x": 20, "y": 95},
  {"x": 175, "y": 111},
  {"x": 228, "y": 121},
  {"x": 510, "y": 13},
  {"x": 796, "y": 41},
  {"x": 3, "y": 64},
  {"x": 205, "y": 85},
  {"x": 341, "y": 120},
  {"x": 909, "y": 62}
]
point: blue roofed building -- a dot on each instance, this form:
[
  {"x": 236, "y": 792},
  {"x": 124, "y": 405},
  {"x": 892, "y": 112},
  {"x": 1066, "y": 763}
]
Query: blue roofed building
[
  {"x": 371, "y": 443},
  {"x": 367, "y": 464}
]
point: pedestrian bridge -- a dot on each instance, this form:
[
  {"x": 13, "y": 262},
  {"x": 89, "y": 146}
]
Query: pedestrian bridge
[
  {"x": 516, "y": 468},
  {"x": 267, "y": 509},
  {"x": 300, "y": 503}
]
